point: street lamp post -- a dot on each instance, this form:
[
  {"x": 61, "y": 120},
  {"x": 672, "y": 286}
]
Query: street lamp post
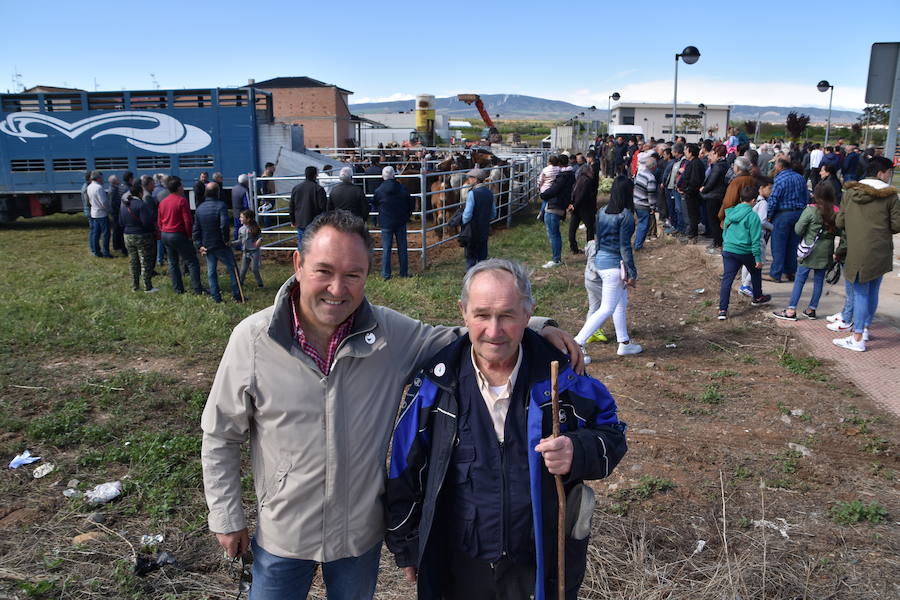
[
  {"x": 689, "y": 55},
  {"x": 824, "y": 86},
  {"x": 614, "y": 96}
]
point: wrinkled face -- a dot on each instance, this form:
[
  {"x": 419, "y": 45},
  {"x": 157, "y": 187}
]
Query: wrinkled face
[
  {"x": 495, "y": 316},
  {"x": 332, "y": 277}
]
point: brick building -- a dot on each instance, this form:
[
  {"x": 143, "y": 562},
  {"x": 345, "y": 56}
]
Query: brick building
[{"x": 321, "y": 108}]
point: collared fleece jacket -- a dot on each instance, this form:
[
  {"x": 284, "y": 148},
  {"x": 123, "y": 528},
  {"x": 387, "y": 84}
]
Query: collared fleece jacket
[{"x": 318, "y": 443}]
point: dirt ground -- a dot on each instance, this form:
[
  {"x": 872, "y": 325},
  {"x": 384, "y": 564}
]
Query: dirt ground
[{"x": 743, "y": 451}]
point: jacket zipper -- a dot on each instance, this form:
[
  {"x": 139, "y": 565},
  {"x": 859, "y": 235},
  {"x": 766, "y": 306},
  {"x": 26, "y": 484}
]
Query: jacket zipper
[{"x": 504, "y": 496}]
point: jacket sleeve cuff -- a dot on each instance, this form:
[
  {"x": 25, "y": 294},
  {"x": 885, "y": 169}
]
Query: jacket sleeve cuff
[
  {"x": 222, "y": 521},
  {"x": 576, "y": 471}
]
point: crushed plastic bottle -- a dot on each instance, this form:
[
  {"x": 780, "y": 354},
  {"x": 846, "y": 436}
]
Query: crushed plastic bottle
[
  {"x": 43, "y": 470},
  {"x": 152, "y": 540},
  {"x": 72, "y": 493}
]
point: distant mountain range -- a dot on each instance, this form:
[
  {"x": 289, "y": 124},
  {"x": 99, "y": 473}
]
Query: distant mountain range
[{"x": 515, "y": 106}]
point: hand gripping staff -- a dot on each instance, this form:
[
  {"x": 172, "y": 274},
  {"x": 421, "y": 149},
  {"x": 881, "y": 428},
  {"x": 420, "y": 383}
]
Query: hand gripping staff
[{"x": 560, "y": 491}]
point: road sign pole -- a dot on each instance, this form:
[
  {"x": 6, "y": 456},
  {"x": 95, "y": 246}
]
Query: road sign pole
[{"x": 890, "y": 146}]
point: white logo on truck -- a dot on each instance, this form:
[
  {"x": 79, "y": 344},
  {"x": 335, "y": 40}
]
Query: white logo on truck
[{"x": 168, "y": 136}]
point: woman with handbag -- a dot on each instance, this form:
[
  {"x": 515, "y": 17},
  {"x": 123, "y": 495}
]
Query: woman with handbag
[
  {"x": 816, "y": 228},
  {"x": 614, "y": 262}
]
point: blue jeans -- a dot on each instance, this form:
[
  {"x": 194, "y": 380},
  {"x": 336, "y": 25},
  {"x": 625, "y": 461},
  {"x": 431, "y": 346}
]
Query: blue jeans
[
  {"x": 180, "y": 247},
  {"x": 92, "y": 244},
  {"x": 299, "y": 237},
  {"x": 160, "y": 252},
  {"x": 552, "y": 223},
  {"x": 388, "y": 234},
  {"x": 277, "y": 578},
  {"x": 674, "y": 201},
  {"x": 100, "y": 227},
  {"x": 847, "y": 311},
  {"x": 212, "y": 260},
  {"x": 865, "y": 303},
  {"x": 784, "y": 243},
  {"x": 643, "y": 223},
  {"x": 800, "y": 281},
  {"x": 731, "y": 264}
]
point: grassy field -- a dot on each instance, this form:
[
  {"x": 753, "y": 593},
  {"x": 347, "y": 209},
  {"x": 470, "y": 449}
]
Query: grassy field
[{"x": 108, "y": 384}]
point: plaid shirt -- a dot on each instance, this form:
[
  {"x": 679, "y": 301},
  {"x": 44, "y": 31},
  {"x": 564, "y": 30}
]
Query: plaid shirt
[
  {"x": 788, "y": 193},
  {"x": 334, "y": 342}
]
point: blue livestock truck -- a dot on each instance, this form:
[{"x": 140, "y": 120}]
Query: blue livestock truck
[{"x": 49, "y": 140}]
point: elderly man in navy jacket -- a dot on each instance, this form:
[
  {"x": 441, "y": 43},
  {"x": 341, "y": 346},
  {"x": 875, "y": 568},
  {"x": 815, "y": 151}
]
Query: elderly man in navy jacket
[
  {"x": 211, "y": 233},
  {"x": 478, "y": 213},
  {"x": 395, "y": 206},
  {"x": 470, "y": 497}
]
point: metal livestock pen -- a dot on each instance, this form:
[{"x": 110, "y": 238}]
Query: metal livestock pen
[{"x": 514, "y": 185}]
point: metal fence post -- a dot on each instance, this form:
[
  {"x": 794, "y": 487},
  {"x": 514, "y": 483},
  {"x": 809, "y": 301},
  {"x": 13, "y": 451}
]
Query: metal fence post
[
  {"x": 424, "y": 214},
  {"x": 509, "y": 193}
]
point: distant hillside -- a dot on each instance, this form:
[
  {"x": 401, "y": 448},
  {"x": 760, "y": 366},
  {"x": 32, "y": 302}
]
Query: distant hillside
[{"x": 516, "y": 106}]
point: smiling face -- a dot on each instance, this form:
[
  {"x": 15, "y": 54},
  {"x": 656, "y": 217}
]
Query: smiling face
[
  {"x": 496, "y": 318},
  {"x": 332, "y": 276}
]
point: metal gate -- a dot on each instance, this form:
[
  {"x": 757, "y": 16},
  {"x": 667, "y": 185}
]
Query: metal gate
[{"x": 514, "y": 186}]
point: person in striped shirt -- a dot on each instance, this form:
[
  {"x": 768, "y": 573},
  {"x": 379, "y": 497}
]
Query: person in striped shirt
[{"x": 644, "y": 198}]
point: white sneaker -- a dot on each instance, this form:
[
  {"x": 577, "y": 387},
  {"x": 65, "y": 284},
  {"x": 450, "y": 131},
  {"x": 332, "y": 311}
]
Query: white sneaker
[
  {"x": 587, "y": 359},
  {"x": 839, "y": 325},
  {"x": 865, "y": 337},
  {"x": 850, "y": 344},
  {"x": 630, "y": 348},
  {"x": 835, "y": 317},
  {"x": 550, "y": 264},
  {"x": 151, "y": 291}
]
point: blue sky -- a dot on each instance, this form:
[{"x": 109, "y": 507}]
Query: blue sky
[{"x": 758, "y": 53}]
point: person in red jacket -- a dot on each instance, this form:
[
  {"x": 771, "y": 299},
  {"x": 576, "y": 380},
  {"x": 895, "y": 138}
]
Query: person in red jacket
[{"x": 175, "y": 226}]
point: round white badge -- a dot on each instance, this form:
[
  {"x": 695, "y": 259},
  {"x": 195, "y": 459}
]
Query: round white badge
[
  {"x": 370, "y": 338},
  {"x": 440, "y": 369}
]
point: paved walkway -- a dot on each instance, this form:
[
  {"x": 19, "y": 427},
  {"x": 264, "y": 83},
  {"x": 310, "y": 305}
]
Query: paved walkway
[{"x": 875, "y": 371}]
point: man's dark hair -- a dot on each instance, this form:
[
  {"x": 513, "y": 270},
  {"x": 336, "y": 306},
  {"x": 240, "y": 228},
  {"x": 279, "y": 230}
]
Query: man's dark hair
[
  {"x": 87, "y": 177},
  {"x": 563, "y": 160},
  {"x": 830, "y": 169},
  {"x": 816, "y": 146},
  {"x": 270, "y": 164},
  {"x": 343, "y": 221},
  {"x": 707, "y": 145},
  {"x": 694, "y": 149},
  {"x": 877, "y": 164},
  {"x": 173, "y": 183},
  {"x": 128, "y": 177},
  {"x": 376, "y": 160},
  {"x": 784, "y": 162},
  {"x": 763, "y": 181},
  {"x": 553, "y": 160},
  {"x": 749, "y": 193},
  {"x": 145, "y": 179},
  {"x": 136, "y": 190},
  {"x": 310, "y": 173},
  {"x": 829, "y": 148}
]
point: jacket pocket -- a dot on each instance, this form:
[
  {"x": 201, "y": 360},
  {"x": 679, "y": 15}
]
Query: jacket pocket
[
  {"x": 461, "y": 464},
  {"x": 275, "y": 483}
]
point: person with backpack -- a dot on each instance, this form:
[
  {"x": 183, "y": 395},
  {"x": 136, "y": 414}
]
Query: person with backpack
[{"x": 816, "y": 228}]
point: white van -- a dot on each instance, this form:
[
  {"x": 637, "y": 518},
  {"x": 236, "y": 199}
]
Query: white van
[{"x": 627, "y": 131}]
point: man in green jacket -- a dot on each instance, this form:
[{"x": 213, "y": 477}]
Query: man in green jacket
[
  {"x": 314, "y": 382},
  {"x": 870, "y": 215}
]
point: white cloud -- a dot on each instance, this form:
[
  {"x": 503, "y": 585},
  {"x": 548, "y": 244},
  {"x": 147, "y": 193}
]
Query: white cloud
[
  {"x": 696, "y": 90},
  {"x": 391, "y": 98}
]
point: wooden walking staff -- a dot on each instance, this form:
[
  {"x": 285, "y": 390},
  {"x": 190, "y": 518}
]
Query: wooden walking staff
[
  {"x": 240, "y": 287},
  {"x": 560, "y": 491}
]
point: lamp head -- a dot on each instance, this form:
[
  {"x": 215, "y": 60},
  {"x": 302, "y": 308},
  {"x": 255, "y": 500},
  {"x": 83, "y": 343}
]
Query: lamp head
[
  {"x": 690, "y": 55},
  {"x": 616, "y": 96},
  {"x": 823, "y": 86}
]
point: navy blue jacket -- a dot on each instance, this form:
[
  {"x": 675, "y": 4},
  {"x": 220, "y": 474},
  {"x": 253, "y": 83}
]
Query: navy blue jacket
[
  {"x": 211, "y": 224},
  {"x": 136, "y": 217},
  {"x": 426, "y": 434},
  {"x": 393, "y": 203}
]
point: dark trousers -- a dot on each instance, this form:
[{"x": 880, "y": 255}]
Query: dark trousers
[
  {"x": 731, "y": 264},
  {"x": 388, "y": 234},
  {"x": 472, "y": 579},
  {"x": 713, "y": 225},
  {"x": 692, "y": 205},
  {"x": 118, "y": 235},
  {"x": 576, "y": 217},
  {"x": 476, "y": 251},
  {"x": 178, "y": 248},
  {"x": 784, "y": 242}
]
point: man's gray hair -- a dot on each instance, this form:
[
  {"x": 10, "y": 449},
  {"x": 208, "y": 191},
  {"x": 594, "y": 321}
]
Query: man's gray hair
[
  {"x": 517, "y": 270},
  {"x": 742, "y": 163},
  {"x": 346, "y": 175}
]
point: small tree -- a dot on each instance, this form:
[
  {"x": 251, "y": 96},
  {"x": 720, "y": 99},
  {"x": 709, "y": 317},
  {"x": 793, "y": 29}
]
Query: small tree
[
  {"x": 877, "y": 114},
  {"x": 855, "y": 133},
  {"x": 796, "y": 124},
  {"x": 691, "y": 123},
  {"x": 750, "y": 127}
]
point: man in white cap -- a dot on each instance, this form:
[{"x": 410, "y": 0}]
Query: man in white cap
[
  {"x": 394, "y": 206},
  {"x": 477, "y": 216},
  {"x": 240, "y": 200}
]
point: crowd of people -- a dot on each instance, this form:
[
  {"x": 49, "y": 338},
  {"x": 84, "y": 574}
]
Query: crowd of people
[{"x": 787, "y": 202}]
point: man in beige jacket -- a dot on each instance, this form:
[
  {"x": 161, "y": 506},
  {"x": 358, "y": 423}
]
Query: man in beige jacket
[{"x": 315, "y": 383}]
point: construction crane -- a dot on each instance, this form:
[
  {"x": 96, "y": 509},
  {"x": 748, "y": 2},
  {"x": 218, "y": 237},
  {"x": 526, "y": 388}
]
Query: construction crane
[{"x": 491, "y": 133}]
